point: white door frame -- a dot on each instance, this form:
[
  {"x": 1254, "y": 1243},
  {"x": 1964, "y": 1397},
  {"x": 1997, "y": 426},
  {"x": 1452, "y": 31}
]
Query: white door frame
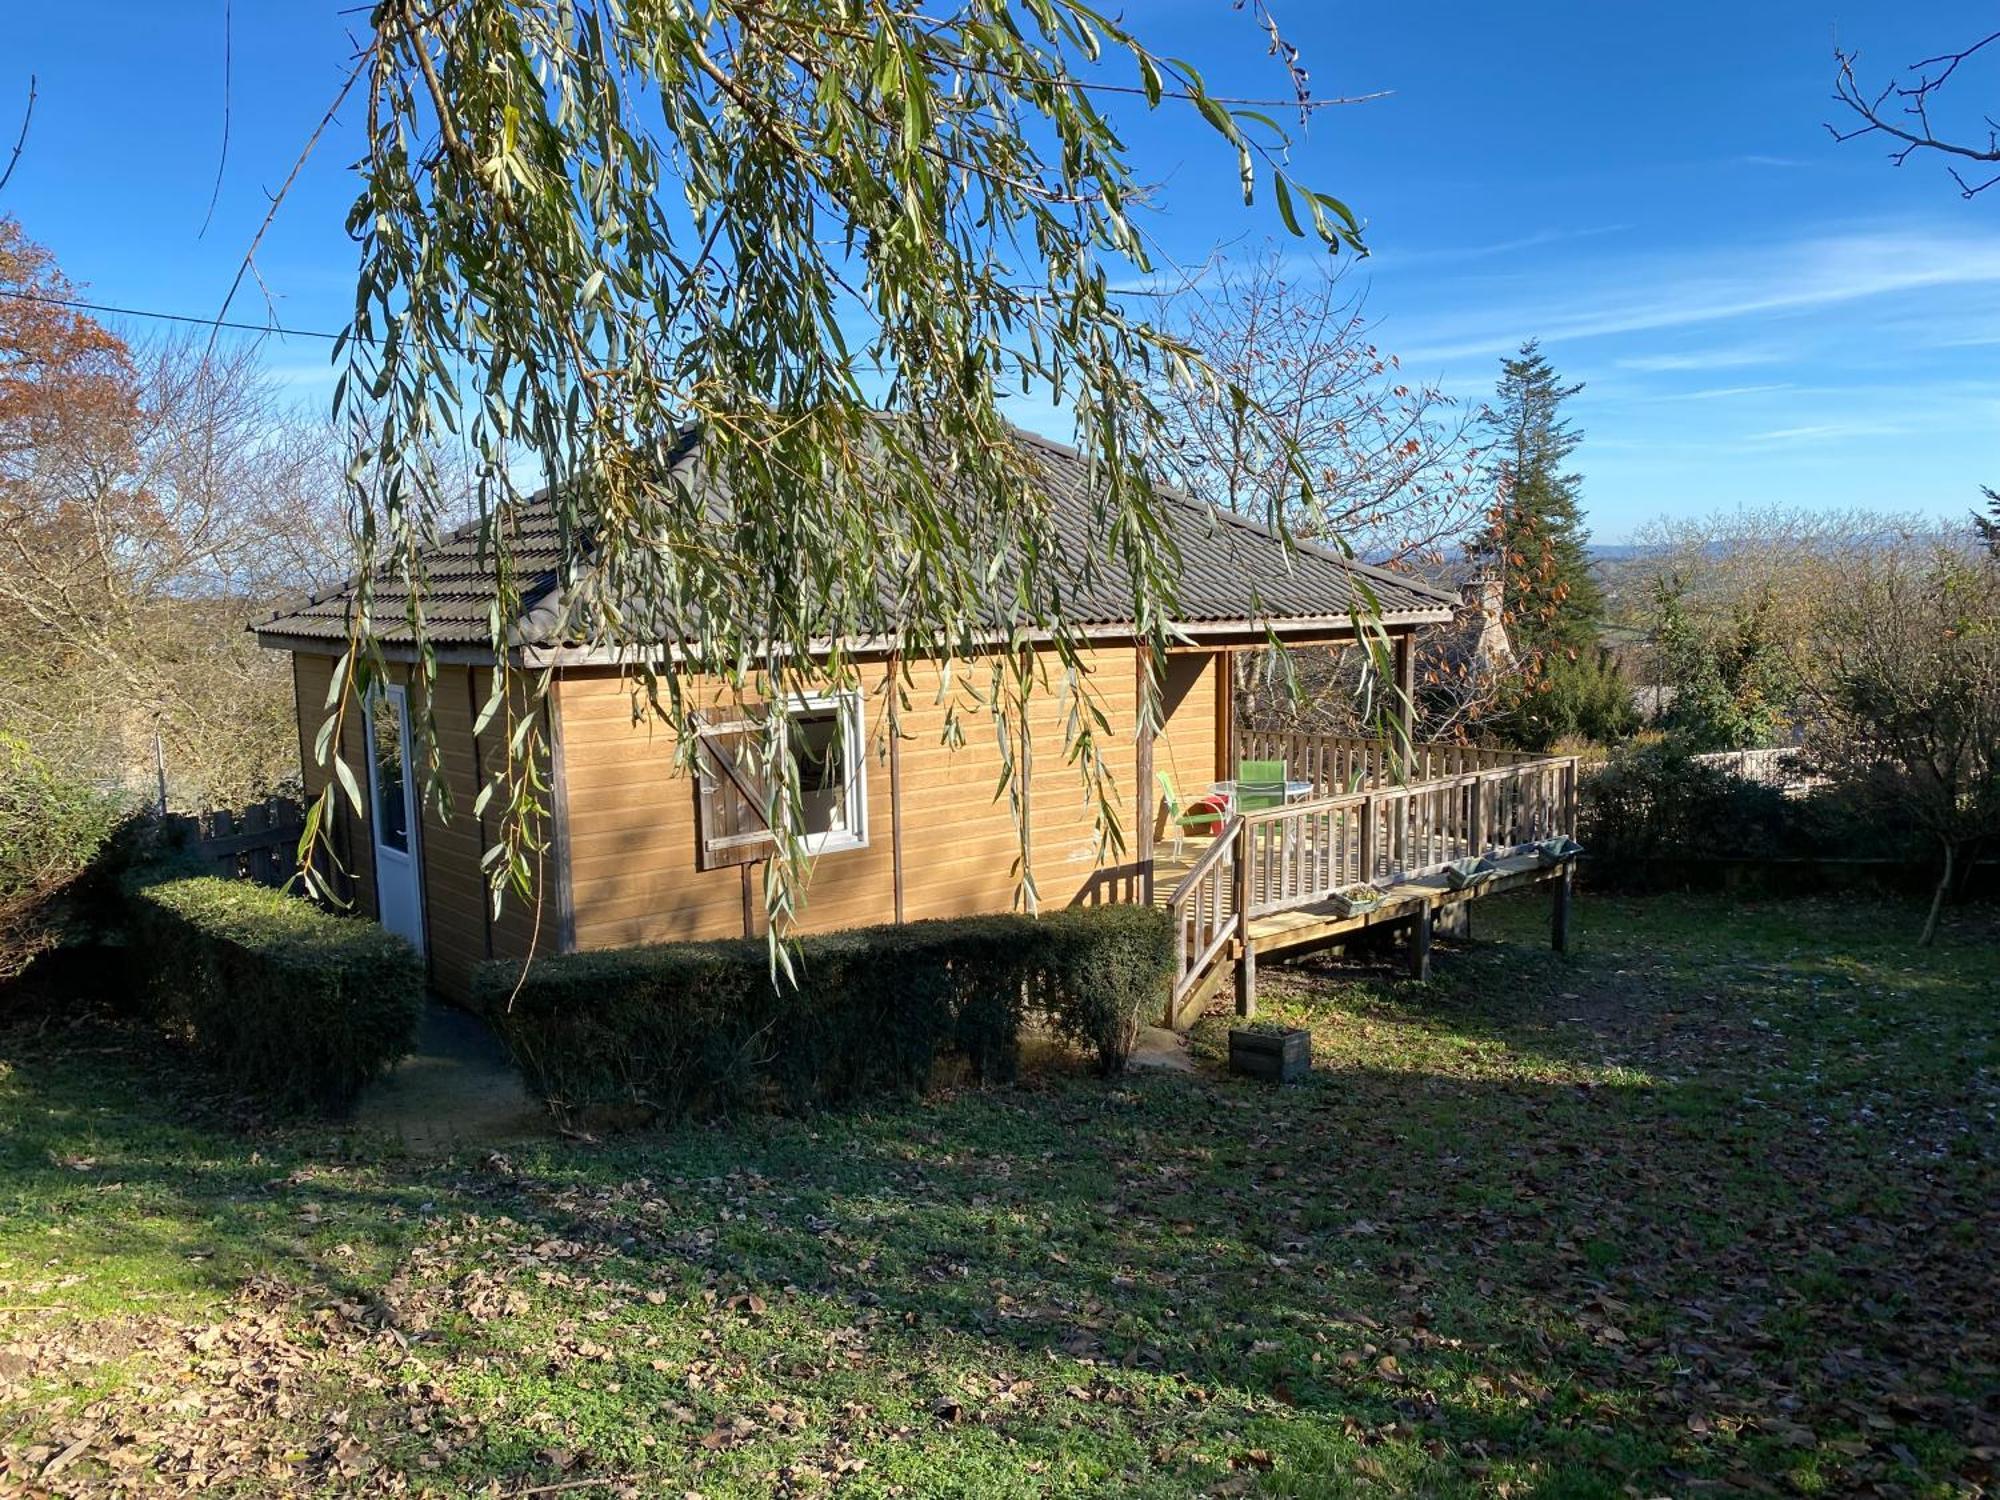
[{"x": 399, "y": 873}]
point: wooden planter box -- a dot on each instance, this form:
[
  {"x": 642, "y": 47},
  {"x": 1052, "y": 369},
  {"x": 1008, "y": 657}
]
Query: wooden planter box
[
  {"x": 1275, "y": 1056},
  {"x": 1355, "y": 901},
  {"x": 1467, "y": 874}
]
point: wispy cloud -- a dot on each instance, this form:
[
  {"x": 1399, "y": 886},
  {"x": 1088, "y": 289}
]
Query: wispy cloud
[
  {"x": 1728, "y": 392},
  {"x": 1381, "y": 261},
  {"x": 1723, "y": 284},
  {"x": 1756, "y": 159},
  {"x": 1824, "y": 432},
  {"x": 1395, "y": 259},
  {"x": 1740, "y": 356}
]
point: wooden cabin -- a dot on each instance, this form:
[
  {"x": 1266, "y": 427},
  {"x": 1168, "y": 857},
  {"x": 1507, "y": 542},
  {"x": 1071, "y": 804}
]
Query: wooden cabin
[{"x": 903, "y": 826}]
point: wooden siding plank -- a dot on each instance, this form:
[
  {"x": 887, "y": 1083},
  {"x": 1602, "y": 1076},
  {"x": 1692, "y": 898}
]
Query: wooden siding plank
[{"x": 631, "y": 835}]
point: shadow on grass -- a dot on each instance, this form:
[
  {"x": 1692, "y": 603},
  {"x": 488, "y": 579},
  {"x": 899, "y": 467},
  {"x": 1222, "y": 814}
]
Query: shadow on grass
[{"x": 1470, "y": 1249}]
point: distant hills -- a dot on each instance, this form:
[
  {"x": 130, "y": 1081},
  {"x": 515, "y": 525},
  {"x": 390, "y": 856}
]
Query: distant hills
[{"x": 1617, "y": 551}]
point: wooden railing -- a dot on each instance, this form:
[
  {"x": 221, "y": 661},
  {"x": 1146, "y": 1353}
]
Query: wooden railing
[
  {"x": 1283, "y": 858},
  {"x": 1204, "y": 905},
  {"x": 1336, "y": 763}
]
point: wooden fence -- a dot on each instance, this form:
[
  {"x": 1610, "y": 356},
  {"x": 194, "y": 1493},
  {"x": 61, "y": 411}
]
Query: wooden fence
[
  {"x": 259, "y": 842},
  {"x": 1783, "y": 768}
]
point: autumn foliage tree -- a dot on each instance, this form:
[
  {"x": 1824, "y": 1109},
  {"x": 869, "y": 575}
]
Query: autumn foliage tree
[
  {"x": 1393, "y": 465},
  {"x": 1394, "y": 469},
  {"x": 150, "y": 497},
  {"x": 65, "y": 381}
]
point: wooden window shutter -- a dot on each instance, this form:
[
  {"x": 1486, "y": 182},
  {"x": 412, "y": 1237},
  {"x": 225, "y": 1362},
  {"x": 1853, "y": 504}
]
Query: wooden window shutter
[{"x": 730, "y": 820}]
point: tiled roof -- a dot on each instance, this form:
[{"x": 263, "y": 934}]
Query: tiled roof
[{"x": 1233, "y": 572}]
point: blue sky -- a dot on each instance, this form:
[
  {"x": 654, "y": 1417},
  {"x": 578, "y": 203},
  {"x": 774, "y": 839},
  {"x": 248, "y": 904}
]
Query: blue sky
[{"x": 1760, "y": 315}]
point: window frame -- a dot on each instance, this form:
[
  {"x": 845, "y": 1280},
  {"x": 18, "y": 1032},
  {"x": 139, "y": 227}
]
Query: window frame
[
  {"x": 742, "y": 849},
  {"x": 394, "y": 698},
  {"x": 853, "y": 747}
]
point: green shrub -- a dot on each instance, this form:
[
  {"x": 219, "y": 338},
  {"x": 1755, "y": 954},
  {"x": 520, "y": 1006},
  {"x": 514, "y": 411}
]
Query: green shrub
[
  {"x": 1587, "y": 699},
  {"x": 1731, "y": 685},
  {"x": 1099, "y": 971},
  {"x": 1657, "y": 800},
  {"x": 702, "y": 1027},
  {"x": 291, "y": 1003},
  {"x": 53, "y": 826}
]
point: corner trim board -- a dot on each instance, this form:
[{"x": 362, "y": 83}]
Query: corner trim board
[
  {"x": 559, "y": 820},
  {"x": 479, "y": 819}
]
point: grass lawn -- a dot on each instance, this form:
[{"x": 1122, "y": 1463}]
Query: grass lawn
[{"x": 1708, "y": 1206}]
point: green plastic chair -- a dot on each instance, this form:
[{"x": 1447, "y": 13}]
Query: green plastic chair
[
  {"x": 1203, "y": 817},
  {"x": 1259, "y": 784}
]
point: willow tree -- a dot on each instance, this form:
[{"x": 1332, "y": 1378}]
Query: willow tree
[{"x": 828, "y": 235}]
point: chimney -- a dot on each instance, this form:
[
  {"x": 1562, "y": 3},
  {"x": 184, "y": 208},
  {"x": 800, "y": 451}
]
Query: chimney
[{"x": 1487, "y": 593}]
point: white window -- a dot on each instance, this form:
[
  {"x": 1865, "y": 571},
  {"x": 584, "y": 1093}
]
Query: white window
[
  {"x": 827, "y": 744},
  {"x": 827, "y": 749}
]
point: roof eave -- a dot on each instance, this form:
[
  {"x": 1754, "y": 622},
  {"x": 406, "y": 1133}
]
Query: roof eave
[
  {"x": 1301, "y": 629},
  {"x": 448, "y": 653}
]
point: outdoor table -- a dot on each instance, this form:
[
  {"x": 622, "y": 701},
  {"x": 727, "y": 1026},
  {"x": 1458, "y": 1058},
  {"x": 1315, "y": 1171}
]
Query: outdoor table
[{"x": 1295, "y": 791}]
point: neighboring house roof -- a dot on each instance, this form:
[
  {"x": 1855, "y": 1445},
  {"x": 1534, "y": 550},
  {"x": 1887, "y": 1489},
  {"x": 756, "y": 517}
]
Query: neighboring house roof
[{"x": 1234, "y": 572}]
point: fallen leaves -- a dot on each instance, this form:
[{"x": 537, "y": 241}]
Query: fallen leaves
[{"x": 1513, "y": 1251}]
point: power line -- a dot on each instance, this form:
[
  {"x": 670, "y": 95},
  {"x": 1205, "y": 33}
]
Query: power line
[{"x": 78, "y": 304}]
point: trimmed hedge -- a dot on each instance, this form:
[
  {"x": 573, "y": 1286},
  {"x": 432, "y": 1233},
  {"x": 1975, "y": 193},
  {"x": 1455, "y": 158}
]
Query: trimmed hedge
[
  {"x": 291, "y": 1003},
  {"x": 1657, "y": 799},
  {"x": 702, "y": 1027}
]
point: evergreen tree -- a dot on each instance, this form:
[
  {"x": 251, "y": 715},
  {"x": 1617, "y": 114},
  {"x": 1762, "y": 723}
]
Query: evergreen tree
[
  {"x": 1536, "y": 535},
  {"x": 1733, "y": 688},
  {"x": 1987, "y": 527}
]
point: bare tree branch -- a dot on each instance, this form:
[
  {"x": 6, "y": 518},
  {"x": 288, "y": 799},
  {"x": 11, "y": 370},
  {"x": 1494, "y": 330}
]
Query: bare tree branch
[
  {"x": 21, "y": 139},
  {"x": 1901, "y": 110},
  {"x": 228, "y": 68}
]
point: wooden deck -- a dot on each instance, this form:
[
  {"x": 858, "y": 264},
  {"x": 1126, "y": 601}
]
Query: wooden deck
[
  {"x": 1270, "y": 881},
  {"x": 1413, "y": 903},
  {"x": 1305, "y": 924}
]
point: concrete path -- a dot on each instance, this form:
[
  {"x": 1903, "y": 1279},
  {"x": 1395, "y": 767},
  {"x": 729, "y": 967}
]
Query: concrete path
[{"x": 456, "y": 1088}]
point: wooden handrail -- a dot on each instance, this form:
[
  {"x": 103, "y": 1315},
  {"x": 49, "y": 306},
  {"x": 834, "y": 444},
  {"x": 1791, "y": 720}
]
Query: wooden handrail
[
  {"x": 1355, "y": 799},
  {"x": 1340, "y": 758},
  {"x": 1209, "y": 858},
  {"x": 1277, "y": 859},
  {"x": 1206, "y": 911}
]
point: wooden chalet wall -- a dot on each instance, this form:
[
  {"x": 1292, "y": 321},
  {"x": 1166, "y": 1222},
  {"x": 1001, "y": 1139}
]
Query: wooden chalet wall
[{"x": 630, "y": 815}]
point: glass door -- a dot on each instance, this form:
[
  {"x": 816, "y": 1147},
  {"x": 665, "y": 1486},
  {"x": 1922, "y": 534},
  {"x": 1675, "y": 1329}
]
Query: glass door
[{"x": 399, "y": 894}]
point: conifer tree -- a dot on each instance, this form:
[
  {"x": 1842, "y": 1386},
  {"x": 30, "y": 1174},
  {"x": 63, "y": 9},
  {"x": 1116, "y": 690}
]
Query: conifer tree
[
  {"x": 1987, "y": 527},
  {"x": 1536, "y": 536}
]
